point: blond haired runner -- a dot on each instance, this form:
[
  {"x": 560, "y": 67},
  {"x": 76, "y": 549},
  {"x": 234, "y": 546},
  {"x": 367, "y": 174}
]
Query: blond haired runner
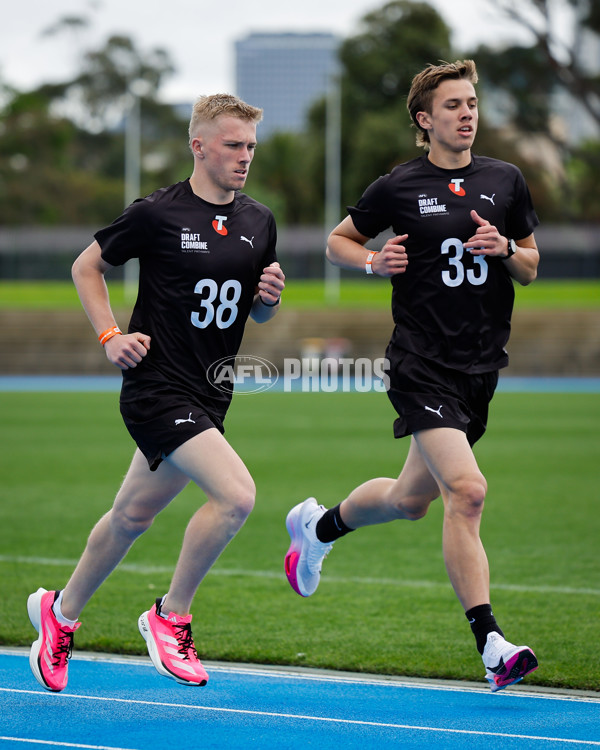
[{"x": 199, "y": 282}]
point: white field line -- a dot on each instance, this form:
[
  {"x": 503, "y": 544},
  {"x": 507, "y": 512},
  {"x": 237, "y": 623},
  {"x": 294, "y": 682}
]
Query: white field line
[{"x": 350, "y": 580}]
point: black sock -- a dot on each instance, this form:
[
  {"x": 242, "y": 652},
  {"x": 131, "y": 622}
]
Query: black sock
[
  {"x": 482, "y": 622},
  {"x": 330, "y": 526}
]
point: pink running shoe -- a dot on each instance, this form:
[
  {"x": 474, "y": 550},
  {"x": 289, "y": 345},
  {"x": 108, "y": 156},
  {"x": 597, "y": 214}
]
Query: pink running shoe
[
  {"x": 50, "y": 653},
  {"x": 506, "y": 663},
  {"x": 171, "y": 646}
]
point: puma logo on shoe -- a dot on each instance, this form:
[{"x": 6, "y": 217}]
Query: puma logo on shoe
[{"x": 437, "y": 411}]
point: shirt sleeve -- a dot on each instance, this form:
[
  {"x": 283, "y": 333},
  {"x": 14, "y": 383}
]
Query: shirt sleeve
[
  {"x": 270, "y": 254},
  {"x": 127, "y": 236},
  {"x": 370, "y": 215},
  {"x": 521, "y": 217}
]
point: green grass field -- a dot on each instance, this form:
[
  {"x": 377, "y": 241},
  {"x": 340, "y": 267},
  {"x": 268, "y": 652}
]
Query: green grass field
[
  {"x": 354, "y": 293},
  {"x": 384, "y": 604}
]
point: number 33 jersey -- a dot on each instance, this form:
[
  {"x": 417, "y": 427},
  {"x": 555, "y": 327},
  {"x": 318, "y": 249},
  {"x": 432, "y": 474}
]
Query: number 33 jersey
[
  {"x": 199, "y": 267},
  {"x": 450, "y": 306}
]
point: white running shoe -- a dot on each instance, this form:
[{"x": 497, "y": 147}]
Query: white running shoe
[
  {"x": 305, "y": 556},
  {"x": 506, "y": 663}
]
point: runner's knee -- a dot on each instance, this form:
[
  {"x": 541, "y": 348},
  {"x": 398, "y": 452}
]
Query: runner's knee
[
  {"x": 409, "y": 507},
  {"x": 128, "y": 524},
  {"x": 239, "y": 501},
  {"x": 467, "y": 496},
  {"x": 244, "y": 500},
  {"x": 415, "y": 508}
]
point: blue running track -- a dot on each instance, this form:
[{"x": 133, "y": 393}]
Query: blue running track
[{"x": 122, "y": 704}]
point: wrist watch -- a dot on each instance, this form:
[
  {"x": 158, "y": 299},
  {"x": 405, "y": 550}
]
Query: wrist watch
[{"x": 511, "y": 250}]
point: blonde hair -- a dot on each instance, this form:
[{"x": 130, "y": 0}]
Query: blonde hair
[
  {"x": 424, "y": 84},
  {"x": 208, "y": 108}
]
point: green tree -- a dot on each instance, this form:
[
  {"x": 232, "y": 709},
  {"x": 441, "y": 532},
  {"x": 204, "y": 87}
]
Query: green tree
[
  {"x": 62, "y": 145},
  {"x": 280, "y": 177},
  {"x": 395, "y": 42},
  {"x": 583, "y": 171},
  {"x": 40, "y": 179},
  {"x": 110, "y": 75},
  {"x": 563, "y": 54},
  {"x": 522, "y": 76},
  {"x": 377, "y": 67},
  {"x": 529, "y": 80}
]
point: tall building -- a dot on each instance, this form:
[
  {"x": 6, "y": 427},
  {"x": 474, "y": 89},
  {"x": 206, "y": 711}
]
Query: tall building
[{"x": 284, "y": 74}]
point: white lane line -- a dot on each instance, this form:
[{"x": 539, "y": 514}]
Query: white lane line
[
  {"x": 308, "y": 717},
  {"x": 54, "y": 743}
]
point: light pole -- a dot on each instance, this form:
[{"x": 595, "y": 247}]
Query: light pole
[
  {"x": 133, "y": 138},
  {"x": 333, "y": 168}
]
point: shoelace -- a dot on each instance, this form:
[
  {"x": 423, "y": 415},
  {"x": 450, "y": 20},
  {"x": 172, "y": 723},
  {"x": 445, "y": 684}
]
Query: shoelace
[
  {"x": 183, "y": 633},
  {"x": 63, "y": 651},
  {"x": 316, "y": 555}
]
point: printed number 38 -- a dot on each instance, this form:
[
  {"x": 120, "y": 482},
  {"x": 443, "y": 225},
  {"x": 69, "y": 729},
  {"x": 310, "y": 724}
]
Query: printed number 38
[
  {"x": 458, "y": 272},
  {"x": 225, "y": 312}
]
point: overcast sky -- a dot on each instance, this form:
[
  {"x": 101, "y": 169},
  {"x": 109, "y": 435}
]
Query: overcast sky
[{"x": 199, "y": 35}]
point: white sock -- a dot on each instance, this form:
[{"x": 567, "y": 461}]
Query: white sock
[
  {"x": 163, "y": 614},
  {"x": 58, "y": 612}
]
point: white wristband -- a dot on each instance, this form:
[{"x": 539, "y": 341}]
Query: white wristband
[{"x": 369, "y": 263}]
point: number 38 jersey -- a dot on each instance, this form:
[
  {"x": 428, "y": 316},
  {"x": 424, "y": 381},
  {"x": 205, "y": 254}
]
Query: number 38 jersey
[
  {"x": 450, "y": 306},
  {"x": 199, "y": 267}
]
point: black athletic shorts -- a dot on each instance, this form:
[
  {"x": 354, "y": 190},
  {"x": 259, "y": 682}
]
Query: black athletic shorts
[
  {"x": 427, "y": 395},
  {"x": 161, "y": 424}
]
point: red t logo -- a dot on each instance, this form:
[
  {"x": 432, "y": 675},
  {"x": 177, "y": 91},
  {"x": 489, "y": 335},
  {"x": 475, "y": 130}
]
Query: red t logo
[
  {"x": 218, "y": 225},
  {"x": 456, "y": 187}
]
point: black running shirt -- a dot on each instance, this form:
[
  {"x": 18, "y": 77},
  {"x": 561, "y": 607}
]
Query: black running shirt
[
  {"x": 450, "y": 306},
  {"x": 199, "y": 267}
]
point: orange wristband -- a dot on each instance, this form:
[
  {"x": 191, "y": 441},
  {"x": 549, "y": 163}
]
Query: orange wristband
[
  {"x": 108, "y": 334},
  {"x": 369, "y": 263}
]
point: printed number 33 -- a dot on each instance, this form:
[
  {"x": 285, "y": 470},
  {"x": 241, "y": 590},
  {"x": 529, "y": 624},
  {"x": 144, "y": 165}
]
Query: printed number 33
[{"x": 458, "y": 272}]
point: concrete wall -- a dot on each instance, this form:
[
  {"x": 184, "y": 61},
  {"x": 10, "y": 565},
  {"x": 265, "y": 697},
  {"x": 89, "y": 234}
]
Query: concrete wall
[{"x": 61, "y": 342}]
